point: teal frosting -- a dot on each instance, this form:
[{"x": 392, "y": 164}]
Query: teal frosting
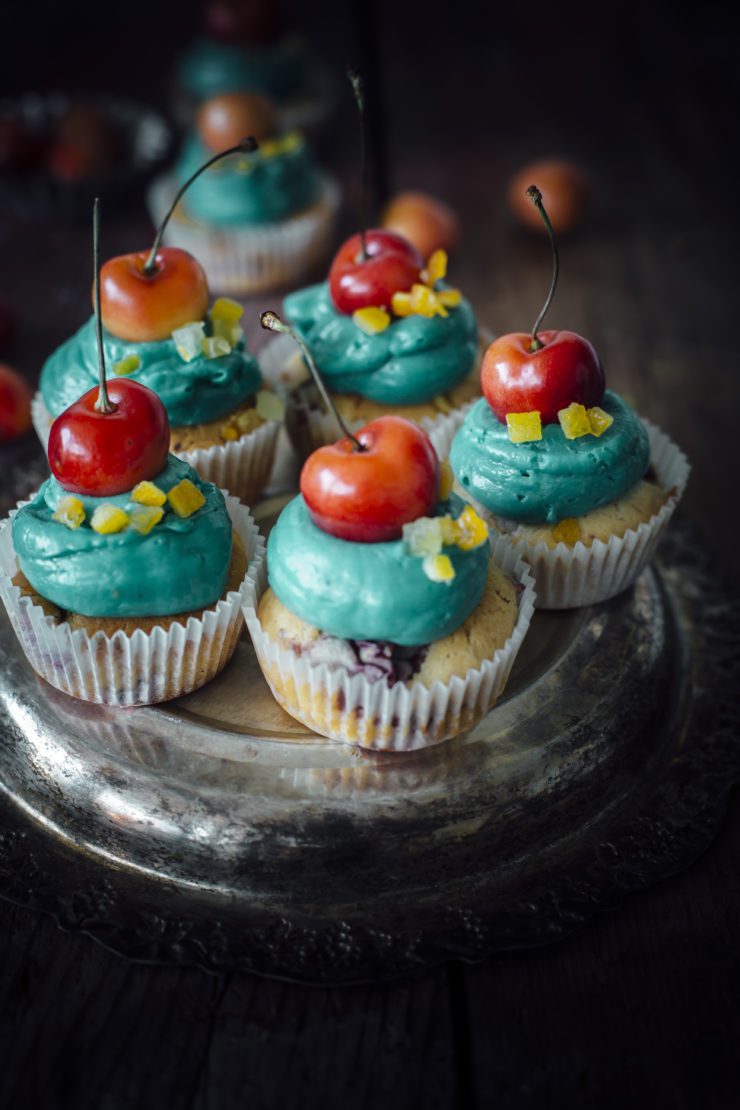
[
  {"x": 257, "y": 188},
  {"x": 277, "y": 70},
  {"x": 552, "y": 478},
  {"x": 370, "y": 591},
  {"x": 413, "y": 360},
  {"x": 192, "y": 392},
  {"x": 181, "y": 565}
]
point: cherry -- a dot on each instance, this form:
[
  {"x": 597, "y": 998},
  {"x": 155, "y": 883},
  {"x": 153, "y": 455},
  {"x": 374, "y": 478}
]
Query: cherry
[
  {"x": 564, "y": 187},
  {"x": 545, "y": 371},
  {"x": 105, "y": 453},
  {"x": 145, "y": 295},
  {"x": 368, "y": 495},
  {"x": 390, "y": 265},
  {"x": 15, "y": 404},
  {"x": 425, "y": 221},
  {"x": 224, "y": 119},
  {"x": 256, "y": 22}
]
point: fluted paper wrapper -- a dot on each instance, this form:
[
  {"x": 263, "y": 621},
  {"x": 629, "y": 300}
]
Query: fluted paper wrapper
[
  {"x": 137, "y": 669},
  {"x": 373, "y": 715},
  {"x": 244, "y": 259},
  {"x": 572, "y": 577},
  {"x": 241, "y": 466}
]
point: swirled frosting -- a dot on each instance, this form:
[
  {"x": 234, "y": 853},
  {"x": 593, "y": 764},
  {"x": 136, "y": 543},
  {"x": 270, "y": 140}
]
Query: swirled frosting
[
  {"x": 552, "y": 478},
  {"x": 192, "y": 392},
  {"x": 181, "y": 565},
  {"x": 370, "y": 591},
  {"x": 209, "y": 67},
  {"x": 413, "y": 360},
  {"x": 257, "y": 188}
]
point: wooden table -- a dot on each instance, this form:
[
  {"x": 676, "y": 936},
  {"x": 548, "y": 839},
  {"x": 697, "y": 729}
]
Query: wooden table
[{"x": 641, "y": 1006}]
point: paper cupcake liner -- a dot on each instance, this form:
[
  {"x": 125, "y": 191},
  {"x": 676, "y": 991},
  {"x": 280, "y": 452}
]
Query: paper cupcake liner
[
  {"x": 137, "y": 669},
  {"x": 572, "y": 577},
  {"x": 245, "y": 259},
  {"x": 372, "y": 715},
  {"x": 307, "y": 427},
  {"x": 242, "y": 467}
]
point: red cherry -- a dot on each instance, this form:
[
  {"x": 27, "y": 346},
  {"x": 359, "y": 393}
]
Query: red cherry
[
  {"x": 103, "y": 454},
  {"x": 566, "y": 368},
  {"x": 15, "y": 404},
  {"x": 367, "y": 496},
  {"x": 141, "y": 307},
  {"x": 392, "y": 266}
]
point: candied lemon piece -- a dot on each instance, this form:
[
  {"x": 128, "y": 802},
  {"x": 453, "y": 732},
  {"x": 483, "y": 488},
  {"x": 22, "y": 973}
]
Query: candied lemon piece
[
  {"x": 450, "y": 530},
  {"x": 185, "y": 498},
  {"x": 423, "y": 536},
  {"x": 599, "y": 420},
  {"x": 524, "y": 427},
  {"x": 436, "y": 267},
  {"x": 446, "y": 480},
  {"x": 438, "y": 568},
  {"x": 290, "y": 141},
  {"x": 574, "y": 421},
  {"x": 371, "y": 320},
  {"x": 225, "y": 315},
  {"x": 189, "y": 340},
  {"x": 425, "y": 302},
  {"x": 229, "y": 432},
  {"x": 144, "y": 517},
  {"x": 215, "y": 347},
  {"x": 567, "y": 531},
  {"x": 108, "y": 518},
  {"x": 69, "y": 511},
  {"x": 146, "y": 493},
  {"x": 450, "y": 297},
  {"x": 473, "y": 529},
  {"x": 401, "y": 304},
  {"x": 126, "y": 365},
  {"x": 269, "y": 405},
  {"x": 270, "y": 148}
]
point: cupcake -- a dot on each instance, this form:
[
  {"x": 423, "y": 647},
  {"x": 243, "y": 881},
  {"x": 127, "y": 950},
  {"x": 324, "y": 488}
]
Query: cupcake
[
  {"x": 383, "y": 620},
  {"x": 245, "y": 47},
  {"x": 159, "y": 331},
  {"x": 562, "y": 466},
  {"x": 388, "y": 335},
  {"x": 123, "y": 575},
  {"x": 259, "y": 219}
]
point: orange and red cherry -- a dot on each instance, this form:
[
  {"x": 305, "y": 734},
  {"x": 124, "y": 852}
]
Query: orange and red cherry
[
  {"x": 101, "y": 454},
  {"x": 15, "y": 404},
  {"x": 369, "y": 272},
  {"x": 366, "y": 494},
  {"x": 515, "y": 377},
  {"x": 142, "y": 305},
  {"x": 224, "y": 120}
]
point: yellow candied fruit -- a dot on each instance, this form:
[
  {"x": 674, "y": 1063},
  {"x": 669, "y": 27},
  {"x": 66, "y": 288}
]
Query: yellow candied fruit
[
  {"x": 425, "y": 302},
  {"x": 599, "y": 420},
  {"x": 451, "y": 531},
  {"x": 188, "y": 340},
  {"x": 574, "y": 421},
  {"x": 423, "y": 536},
  {"x": 126, "y": 365},
  {"x": 438, "y": 568},
  {"x": 229, "y": 432},
  {"x": 226, "y": 310},
  {"x": 436, "y": 268},
  {"x": 446, "y": 480},
  {"x": 185, "y": 498},
  {"x": 401, "y": 304},
  {"x": 371, "y": 320},
  {"x": 144, "y": 517},
  {"x": 524, "y": 427},
  {"x": 108, "y": 519},
  {"x": 567, "y": 531},
  {"x": 473, "y": 529},
  {"x": 450, "y": 298},
  {"x": 270, "y": 148},
  {"x": 146, "y": 493},
  {"x": 69, "y": 511},
  {"x": 215, "y": 346},
  {"x": 269, "y": 405}
]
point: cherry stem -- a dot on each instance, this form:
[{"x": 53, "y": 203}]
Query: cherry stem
[
  {"x": 536, "y": 197},
  {"x": 103, "y": 402},
  {"x": 272, "y": 322},
  {"x": 246, "y": 146},
  {"x": 358, "y": 88}
]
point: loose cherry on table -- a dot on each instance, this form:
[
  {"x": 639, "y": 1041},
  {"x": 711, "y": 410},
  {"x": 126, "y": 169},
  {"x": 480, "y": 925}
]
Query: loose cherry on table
[
  {"x": 426, "y": 222},
  {"x": 545, "y": 371},
  {"x": 145, "y": 295},
  {"x": 388, "y": 265},
  {"x": 15, "y": 404}
]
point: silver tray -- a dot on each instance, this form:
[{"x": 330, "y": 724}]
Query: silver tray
[{"x": 218, "y": 830}]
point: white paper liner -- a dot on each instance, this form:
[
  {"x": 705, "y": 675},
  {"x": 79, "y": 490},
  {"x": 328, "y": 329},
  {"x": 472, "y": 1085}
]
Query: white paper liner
[
  {"x": 245, "y": 259},
  {"x": 138, "y": 669},
  {"x": 372, "y": 715},
  {"x": 572, "y": 577},
  {"x": 242, "y": 466}
]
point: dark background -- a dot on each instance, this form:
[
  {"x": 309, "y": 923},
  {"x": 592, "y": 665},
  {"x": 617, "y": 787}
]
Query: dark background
[{"x": 642, "y": 1006}]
